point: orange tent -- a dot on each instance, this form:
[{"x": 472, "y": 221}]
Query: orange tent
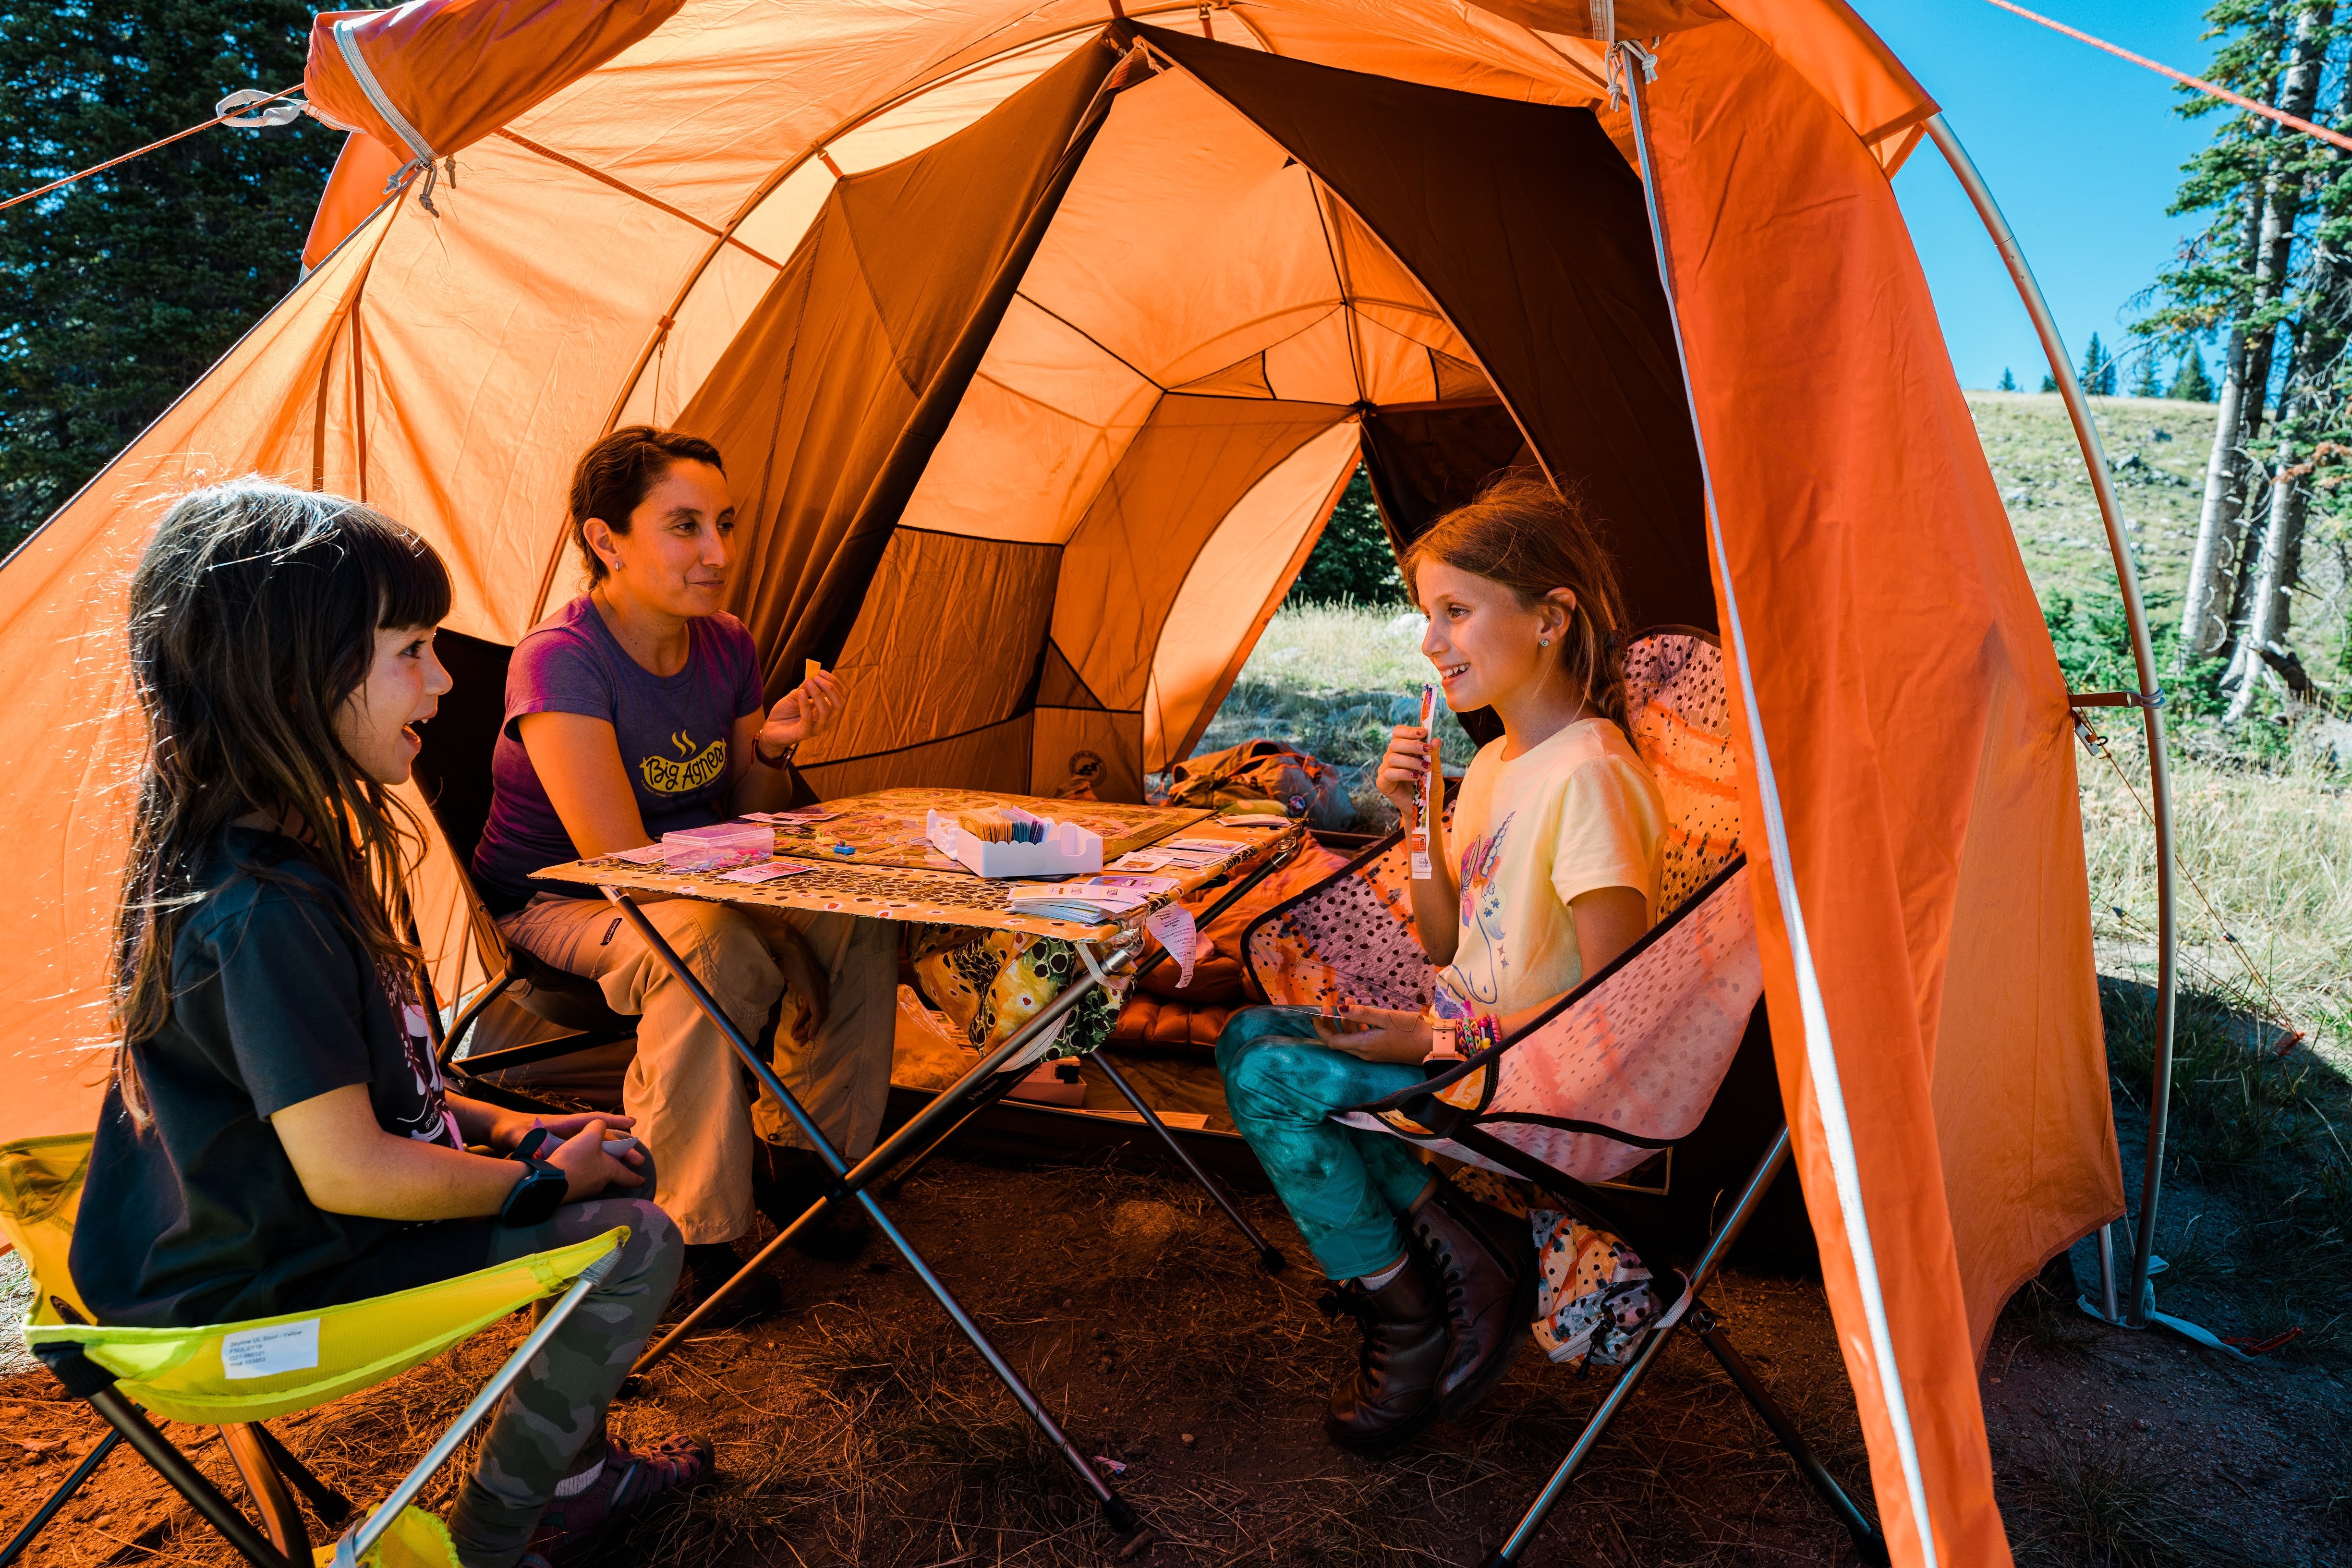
[{"x": 1039, "y": 343}]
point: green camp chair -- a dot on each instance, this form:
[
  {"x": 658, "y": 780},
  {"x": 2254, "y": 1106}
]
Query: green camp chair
[{"x": 236, "y": 1376}]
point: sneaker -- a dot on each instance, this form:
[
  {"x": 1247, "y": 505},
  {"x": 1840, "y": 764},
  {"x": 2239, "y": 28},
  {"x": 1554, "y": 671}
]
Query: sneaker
[
  {"x": 785, "y": 1182},
  {"x": 626, "y": 1481}
]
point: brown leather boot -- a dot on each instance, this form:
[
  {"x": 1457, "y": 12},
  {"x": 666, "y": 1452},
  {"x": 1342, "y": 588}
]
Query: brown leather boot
[
  {"x": 1484, "y": 1263},
  {"x": 1392, "y": 1393}
]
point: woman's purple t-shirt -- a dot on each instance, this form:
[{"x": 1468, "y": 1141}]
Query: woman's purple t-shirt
[{"x": 673, "y": 733}]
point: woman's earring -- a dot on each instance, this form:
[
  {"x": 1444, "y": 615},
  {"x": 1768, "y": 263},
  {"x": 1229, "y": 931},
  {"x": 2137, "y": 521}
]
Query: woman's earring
[{"x": 1543, "y": 642}]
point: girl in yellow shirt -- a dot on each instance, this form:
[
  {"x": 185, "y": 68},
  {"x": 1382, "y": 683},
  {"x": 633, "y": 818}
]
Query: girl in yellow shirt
[{"x": 1559, "y": 825}]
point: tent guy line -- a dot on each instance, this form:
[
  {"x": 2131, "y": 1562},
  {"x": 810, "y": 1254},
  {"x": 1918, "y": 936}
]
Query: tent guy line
[
  {"x": 2215, "y": 90},
  {"x": 230, "y": 109}
]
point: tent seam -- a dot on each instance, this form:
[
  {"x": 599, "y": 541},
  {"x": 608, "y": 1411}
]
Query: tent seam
[{"x": 552, "y": 155}]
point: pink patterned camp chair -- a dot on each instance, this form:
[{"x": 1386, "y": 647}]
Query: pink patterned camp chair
[{"x": 1621, "y": 1082}]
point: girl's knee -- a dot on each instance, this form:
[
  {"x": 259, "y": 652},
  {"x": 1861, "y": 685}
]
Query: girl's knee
[{"x": 1247, "y": 1029}]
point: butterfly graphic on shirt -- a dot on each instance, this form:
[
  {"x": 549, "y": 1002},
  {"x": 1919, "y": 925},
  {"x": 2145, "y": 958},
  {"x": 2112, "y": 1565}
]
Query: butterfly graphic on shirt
[{"x": 1481, "y": 911}]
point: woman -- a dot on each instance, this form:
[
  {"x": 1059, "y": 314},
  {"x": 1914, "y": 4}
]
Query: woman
[
  {"x": 276, "y": 1137},
  {"x": 636, "y": 709}
]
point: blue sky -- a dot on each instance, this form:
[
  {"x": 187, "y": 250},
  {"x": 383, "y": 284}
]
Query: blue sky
[{"x": 2082, "y": 150}]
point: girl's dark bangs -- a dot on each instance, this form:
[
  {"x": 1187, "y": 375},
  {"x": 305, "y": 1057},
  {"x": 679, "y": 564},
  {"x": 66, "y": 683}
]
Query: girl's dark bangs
[{"x": 411, "y": 583}]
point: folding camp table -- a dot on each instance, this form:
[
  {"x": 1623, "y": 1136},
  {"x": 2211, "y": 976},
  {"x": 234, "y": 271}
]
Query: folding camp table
[{"x": 901, "y": 892}]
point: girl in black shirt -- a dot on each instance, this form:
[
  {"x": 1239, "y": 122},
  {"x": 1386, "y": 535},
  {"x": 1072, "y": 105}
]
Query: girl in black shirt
[{"x": 277, "y": 1136}]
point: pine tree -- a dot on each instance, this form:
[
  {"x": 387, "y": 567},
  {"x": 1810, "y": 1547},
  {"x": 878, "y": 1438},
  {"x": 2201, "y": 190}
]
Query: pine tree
[
  {"x": 1352, "y": 560},
  {"x": 118, "y": 291},
  {"x": 2008, "y": 381},
  {"x": 2189, "y": 382},
  {"x": 2098, "y": 371},
  {"x": 2049, "y": 381},
  {"x": 2144, "y": 381}
]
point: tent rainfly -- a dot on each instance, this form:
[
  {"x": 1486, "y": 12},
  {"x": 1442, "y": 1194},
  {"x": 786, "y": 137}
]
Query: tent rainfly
[{"x": 1040, "y": 337}]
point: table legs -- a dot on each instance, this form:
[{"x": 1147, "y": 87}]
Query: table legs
[{"x": 851, "y": 1184}]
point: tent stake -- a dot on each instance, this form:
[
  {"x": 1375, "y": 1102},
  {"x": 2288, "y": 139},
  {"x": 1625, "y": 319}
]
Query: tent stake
[{"x": 2137, "y": 1309}]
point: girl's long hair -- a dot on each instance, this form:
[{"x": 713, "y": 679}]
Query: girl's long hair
[
  {"x": 253, "y": 615},
  {"x": 1531, "y": 539}
]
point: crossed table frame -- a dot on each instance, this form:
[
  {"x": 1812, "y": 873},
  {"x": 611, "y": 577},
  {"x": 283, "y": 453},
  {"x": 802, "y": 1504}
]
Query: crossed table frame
[{"x": 1110, "y": 952}]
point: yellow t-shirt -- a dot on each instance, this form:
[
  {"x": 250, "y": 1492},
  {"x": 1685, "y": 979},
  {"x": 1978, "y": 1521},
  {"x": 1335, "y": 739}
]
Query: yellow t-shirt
[{"x": 1575, "y": 812}]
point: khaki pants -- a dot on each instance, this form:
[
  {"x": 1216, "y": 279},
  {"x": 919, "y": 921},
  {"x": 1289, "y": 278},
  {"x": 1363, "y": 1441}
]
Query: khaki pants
[{"x": 686, "y": 1086}]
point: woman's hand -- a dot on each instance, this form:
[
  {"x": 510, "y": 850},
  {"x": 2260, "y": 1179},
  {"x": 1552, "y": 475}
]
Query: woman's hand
[
  {"x": 588, "y": 1169},
  {"x": 1376, "y": 1034},
  {"x": 805, "y": 712},
  {"x": 1403, "y": 766}
]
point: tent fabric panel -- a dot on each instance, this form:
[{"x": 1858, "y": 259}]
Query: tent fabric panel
[
  {"x": 451, "y": 72},
  {"x": 1047, "y": 417},
  {"x": 70, "y": 726},
  {"x": 948, "y": 642},
  {"x": 810, "y": 399},
  {"x": 473, "y": 414},
  {"x": 1830, "y": 45},
  {"x": 1893, "y": 645},
  {"x": 995, "y": 757},
  {"x": 1237, "y": 580},
  {"x": 1587, "y": 364},
  {"x": 1186, "y": 197},
  {"x": 1124, "y": 565},
  {"x": 730, "y": 288},
  {"x": 1105, "y": 748},
  {"x": 355, "y": 187},
  {"x": 706, "y": 110},
  {"x": 1465, "y": 49},
  {"x": 1424, "y": 462}
]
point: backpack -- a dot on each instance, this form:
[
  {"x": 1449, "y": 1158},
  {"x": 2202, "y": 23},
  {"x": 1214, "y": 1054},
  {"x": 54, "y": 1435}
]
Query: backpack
[{"x": 1264, "y": 770}]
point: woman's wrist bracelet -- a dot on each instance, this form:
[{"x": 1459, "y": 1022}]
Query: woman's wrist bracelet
[{"x": 783, "y": 759}]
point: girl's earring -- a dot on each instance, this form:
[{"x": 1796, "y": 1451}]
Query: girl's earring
[{"x": 1543, "y": 642}]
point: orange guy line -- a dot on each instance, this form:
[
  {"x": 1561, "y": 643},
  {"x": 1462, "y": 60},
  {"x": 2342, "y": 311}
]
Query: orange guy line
[{"x": 2201, "y": 84}]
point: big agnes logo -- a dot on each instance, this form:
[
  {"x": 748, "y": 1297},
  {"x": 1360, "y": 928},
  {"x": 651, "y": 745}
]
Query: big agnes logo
[{"x": 687, "y": 771}]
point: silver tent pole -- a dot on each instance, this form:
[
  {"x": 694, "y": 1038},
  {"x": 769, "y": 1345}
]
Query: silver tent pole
[{"x": 2150, "y": 700}]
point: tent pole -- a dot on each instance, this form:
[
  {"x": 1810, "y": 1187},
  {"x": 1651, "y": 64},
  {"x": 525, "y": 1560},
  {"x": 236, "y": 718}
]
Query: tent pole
[{"x": 2137, "y": 1309}]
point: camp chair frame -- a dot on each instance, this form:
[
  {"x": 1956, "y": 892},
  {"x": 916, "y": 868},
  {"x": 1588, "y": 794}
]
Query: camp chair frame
[
  {"x": 1455, "y": 1125},
  {"x": 163, "y": 1381}
]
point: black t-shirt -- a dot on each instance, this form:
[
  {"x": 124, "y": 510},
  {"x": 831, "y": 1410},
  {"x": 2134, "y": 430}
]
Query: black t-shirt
[{"x": 199, "y": 1218}]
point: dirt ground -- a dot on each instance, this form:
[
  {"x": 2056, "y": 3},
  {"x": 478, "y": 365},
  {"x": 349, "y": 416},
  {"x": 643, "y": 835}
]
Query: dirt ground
[{"x": 856, "y": 1427}]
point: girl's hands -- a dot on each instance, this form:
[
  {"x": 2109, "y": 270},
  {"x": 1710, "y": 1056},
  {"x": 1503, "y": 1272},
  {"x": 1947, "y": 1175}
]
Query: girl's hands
[
  {"x": 512, "y": 1126},
  {"x": 588, "y": 1170},
  {"x": 805, "y": 712},
  {"x": 1402, "y": 766},
  {"x": 1376, "y": 1034}
]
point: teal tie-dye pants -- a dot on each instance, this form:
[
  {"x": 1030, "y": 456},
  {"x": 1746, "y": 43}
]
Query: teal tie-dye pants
[{"x": 1347, "y": 1191}]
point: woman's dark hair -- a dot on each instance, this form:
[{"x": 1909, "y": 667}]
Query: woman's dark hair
[
  {"x": 616, "y": 473},
  {"x": 1531, "y": 539},
  {"x": 253, "y": 615}
]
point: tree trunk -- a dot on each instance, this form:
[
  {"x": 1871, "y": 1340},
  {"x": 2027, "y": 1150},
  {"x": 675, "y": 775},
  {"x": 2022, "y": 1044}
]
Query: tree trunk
[
  {"x": 2205, "y": 616},
  {"x": 2215, "y": 573},
  {"x": 2269, "y": 607},
  {"x": 2298, "y": 94}
]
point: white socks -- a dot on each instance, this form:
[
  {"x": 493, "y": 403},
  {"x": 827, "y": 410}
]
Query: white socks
[{"x": 1375, "y": 1281}]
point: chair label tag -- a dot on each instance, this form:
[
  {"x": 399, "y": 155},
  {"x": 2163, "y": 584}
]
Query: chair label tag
[{"x": 265, "y": 1353}]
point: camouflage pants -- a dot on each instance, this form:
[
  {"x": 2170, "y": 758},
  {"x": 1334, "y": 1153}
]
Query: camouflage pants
[{"x": 558, "y": 1405}]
